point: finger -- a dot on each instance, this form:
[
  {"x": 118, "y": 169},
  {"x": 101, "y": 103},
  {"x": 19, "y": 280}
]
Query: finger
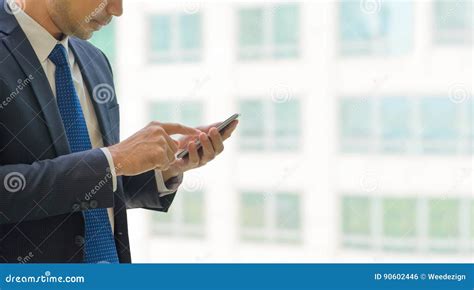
[
  {"x": 176, "y": 128},
  {"x": 217, "y": 141},
  {"x": 171, "y": 143},
  {"x": 193, "y": 155},
  {"x": 208, "y": 150},
  {"x": 227, "y": 132},
  {"x": 206, "y": 129}
]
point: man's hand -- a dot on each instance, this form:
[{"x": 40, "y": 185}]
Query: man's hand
[
  {"x": 148, "y": 149},
  {"x": 212, "y": 145}
]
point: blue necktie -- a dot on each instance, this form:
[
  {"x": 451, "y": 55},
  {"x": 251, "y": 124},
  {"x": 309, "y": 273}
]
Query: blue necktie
[{"x": 99, "y": 245}]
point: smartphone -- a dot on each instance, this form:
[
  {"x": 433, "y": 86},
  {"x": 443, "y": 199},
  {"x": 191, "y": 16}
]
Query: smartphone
[{"x": 221, "y": 128}]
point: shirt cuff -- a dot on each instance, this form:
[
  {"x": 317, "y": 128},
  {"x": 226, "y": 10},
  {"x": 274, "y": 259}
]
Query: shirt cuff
[
  {"x": 171, "y": 186},
  {"x": 112, "y": 167}
]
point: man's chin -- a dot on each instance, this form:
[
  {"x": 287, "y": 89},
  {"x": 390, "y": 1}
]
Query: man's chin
[{"x": 84, "y": 35}]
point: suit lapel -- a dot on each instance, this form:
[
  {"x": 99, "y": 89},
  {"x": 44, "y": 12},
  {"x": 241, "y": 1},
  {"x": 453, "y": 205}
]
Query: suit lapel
[
  {"x": 88, "y": 68},
  {"x": 20, "y": 48}
]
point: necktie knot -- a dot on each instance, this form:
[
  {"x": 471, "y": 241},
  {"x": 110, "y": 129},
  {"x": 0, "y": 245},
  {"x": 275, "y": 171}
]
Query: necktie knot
[{"x": 59, "y": 56}]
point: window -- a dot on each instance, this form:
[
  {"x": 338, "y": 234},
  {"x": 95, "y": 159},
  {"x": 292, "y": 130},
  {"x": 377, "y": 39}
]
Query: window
[
  {"x": 440, "y": 123},
  {"x": 399, "y": 224},
  {"x": 356, "y": 123},
  {"x": 399, "y": 215},
  {"x": 268, "y": 32},
  {"x": 444, "y": 218},
  {"x": 407, "y": 224},
  {"x": 189, "y": 113},
  {"x": 175, "y": 37},
  {"x": 104, "y": 39},
  {"x": 356, "y": 216},
  {"x": 396, "y": 120},
  {"x": 185, "y": 219},
  {"x": 270, "y": 125},
  {"x": 270, "y": 217},
  {"x": 356, "y": 222},
  {"x": 405, "y": 125},
  {"x": 453, "y": 22},
  {"x": 387, "y": 30}
]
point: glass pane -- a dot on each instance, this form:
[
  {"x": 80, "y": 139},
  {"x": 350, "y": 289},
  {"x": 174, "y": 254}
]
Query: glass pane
[
  {"x": 356, "y": 118},
  {"x": 288, "y": 211},
  {"x": 251, "y": 27},
  {"x": 193, "y": 207},
  {"x": 252, "y": 210},
  {"x": 287, "y": 125},
  {"x": 356, "y": 216},
  {"x": 286, "y": 30},
  {"x": 190, "y": 25},
  {"x": 191, "y": 113},
  {"x": 104, "y": 39},
  {"x": 443, "y": 218},
  {"x": 453, "y": 21},
  {"x": 163, "y": 112},
  {"x": 384, "y": 27},
  {"x": 356, "y": 124},
  {"x": 440, "y": 125},
  {"x": 161, "y": 34},
  {"x": 396, "y": 117},
  {"x": 251, "y": 125},
  {"x": 251, "y": 34},
  {"x": 399, "y": 217}
]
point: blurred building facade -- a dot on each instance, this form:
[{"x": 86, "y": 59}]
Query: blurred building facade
[{"x": 355, "y": 142}]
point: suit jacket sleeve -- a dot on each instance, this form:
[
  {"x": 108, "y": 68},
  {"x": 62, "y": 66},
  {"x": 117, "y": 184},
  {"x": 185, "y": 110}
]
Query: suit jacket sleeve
[
  {"x": 65, "y": 184},
  {"x": 141, "y": 191}
]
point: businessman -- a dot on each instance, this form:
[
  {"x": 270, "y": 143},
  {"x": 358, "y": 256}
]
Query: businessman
[{"x": 65, "y": 178}]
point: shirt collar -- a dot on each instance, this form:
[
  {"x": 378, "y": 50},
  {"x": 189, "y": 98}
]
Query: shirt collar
[{"x": 40, "y": 39}]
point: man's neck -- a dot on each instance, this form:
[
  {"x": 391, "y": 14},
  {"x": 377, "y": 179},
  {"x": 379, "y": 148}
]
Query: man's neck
[{"x": 37, "y": 10}]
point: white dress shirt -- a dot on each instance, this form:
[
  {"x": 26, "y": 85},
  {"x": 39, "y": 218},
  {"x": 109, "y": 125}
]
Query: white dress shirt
[{"x": 43, "y": 44}]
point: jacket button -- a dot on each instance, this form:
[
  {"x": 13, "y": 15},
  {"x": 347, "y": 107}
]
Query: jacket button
[
  {"x": 79, "y": 240},
  {"x": 76, "y": 207},
  {"x": 94, "y": 203}
]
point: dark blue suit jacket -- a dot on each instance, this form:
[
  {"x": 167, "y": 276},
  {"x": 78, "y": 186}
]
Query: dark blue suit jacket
[{"x": 43, "y": 187}]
